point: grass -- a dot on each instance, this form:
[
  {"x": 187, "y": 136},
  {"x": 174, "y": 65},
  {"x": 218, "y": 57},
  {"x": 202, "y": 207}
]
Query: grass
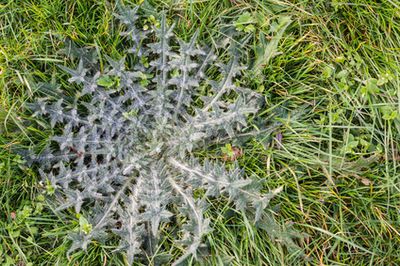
[{"x": 333, "y": 85}]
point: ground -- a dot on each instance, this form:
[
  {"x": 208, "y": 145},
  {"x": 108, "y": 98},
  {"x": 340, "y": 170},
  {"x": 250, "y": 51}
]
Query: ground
[{"x": 331, "y": 79}]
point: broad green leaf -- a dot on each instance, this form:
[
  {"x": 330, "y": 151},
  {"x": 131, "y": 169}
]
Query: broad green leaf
[{"x": 106, "y": 81}]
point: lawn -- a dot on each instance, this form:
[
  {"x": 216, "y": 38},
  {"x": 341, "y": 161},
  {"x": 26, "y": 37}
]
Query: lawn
[{"x": 329, "y": 74}]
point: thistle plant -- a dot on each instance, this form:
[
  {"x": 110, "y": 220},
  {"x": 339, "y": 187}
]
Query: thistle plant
[{"x": 124, "y": 156}]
